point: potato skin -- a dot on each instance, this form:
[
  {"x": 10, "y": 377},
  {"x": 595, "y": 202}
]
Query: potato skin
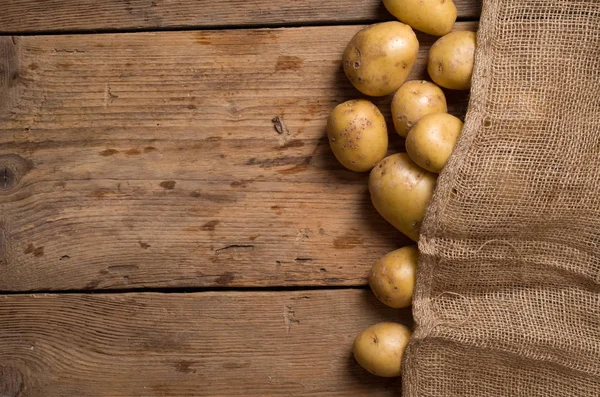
[
  {"x": 357, "y": 134},
  {"x": 379, "y": 58},
  {"x": 451, "y": 60},
  {"x": 413, "y": 100},
  {"x": 431, "y": 141},
  {"x": 379, "y": 349},
  {"x": 392, "y": 278},
  {"x": 401, "y": 191},
  {"x": 434, "y": 17}
]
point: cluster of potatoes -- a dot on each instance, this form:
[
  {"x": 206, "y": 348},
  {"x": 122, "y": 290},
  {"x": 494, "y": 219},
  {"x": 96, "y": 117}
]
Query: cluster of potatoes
[{"x": 377, "y": 61}]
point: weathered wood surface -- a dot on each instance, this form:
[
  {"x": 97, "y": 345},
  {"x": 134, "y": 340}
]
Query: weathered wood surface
[
  {"x": 151, "y": 160},
  {"x": 203, "y": 344},
  {"x": 74, "y": 15}
]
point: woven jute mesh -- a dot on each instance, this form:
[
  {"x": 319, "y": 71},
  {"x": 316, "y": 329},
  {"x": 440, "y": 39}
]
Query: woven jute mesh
[{"x": 508, "y": 288}]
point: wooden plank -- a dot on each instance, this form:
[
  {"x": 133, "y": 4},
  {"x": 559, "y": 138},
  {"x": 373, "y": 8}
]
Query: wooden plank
[
  {"x": 81, "y": 15},
  {"x": 151, "y": 160},
  {"x": 202, "y": 344}
]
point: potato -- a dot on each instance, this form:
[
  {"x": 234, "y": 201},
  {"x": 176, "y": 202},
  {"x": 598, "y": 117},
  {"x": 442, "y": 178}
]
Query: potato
[
  {"x": 393, "y": 277},
  {"x": 451, "y": 60},
  {"x": 430, "y": 16},
  {"x": 379, "y": 348},
  {"x": 379, "y": 58},
  {"x": 413, "y": 100},
  {"x": 431, "y": 141},
  {"x": 357, "y": 134},
  {"x": 401, "y": 191}
]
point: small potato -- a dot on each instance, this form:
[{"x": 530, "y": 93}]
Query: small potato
[
  {"x": 413, "y": 100},
  {"x": 451, "y": 60},
  {"x": 393, "y": 277},
  {"x": 379, "y": 58},
  {"x": 357, "y": 134},
  {"x": 379, "y": 348},
  {"x": 435, "y": 17},
  {"x": 431, "y": 141},
  {"x": 401, "y": 191}
]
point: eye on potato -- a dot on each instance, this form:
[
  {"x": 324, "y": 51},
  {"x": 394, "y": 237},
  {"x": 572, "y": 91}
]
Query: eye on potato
[
  {"x": 379, "y": 58},
  {"x": 434, "y": 17},
  {"x": 357, "y": 134},
  {"x": 451, "y": 60},
  {"x": 431, "y": 141},
  {"x": 401, "y": 191},
  {"x": 413, "y": 100},
  {"x": 392, "y": 278},
  {"x": 379, "y": 348}
]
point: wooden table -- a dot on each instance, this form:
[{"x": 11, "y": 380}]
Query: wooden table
[{"x": 158, "y": 235}]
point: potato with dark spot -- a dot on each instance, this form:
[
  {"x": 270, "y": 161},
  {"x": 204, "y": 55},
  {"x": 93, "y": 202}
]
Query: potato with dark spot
[
  {"x": 379, "y": 58},
  {"x": 435, "y": 17},
  {"x": 451, "y": 60},
  {"x": 401, "y": 191},
  {"x": 432, "y": 140},
  {"x": 392, "y": 278},
  {"x": 379, "y": 349},
  {"x": 413, "y": 100},
  {"x": 357, "y": 134}
]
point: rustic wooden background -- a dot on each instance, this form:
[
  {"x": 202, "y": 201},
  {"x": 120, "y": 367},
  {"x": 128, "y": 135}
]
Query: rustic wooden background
[{"x": 159, "y": 236}]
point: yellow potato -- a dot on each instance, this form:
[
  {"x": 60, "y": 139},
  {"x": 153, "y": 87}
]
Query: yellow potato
[
  {"x": 379, "y": 58},
  {"x": 393, "y": 277},
  {"x": 431, "y": 141},
  {"x": 451, "y": 60},
  {"x": 435, "y": 17},
  {"x": 379, "y": 348},
  {"x": 401, "y": 191},
  {"x": 413, "y": 100},
  {"x": 357, "y": 134}
]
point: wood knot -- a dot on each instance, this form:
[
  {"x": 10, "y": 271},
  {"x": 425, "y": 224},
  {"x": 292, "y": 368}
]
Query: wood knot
[
  {"x": 11, "y": 382},
  {"x": 12, "y": 168}
]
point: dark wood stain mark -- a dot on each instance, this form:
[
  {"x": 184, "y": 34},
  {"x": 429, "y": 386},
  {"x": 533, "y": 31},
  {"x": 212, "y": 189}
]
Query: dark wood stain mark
[
  {"x": 304, "y": 260},
  {"x": 349, "y": 240},
  {"x": 34, "y": 66},
  {"x": 60, "y": 184},
  {"x": 169, "y": 185},
  {"x": 252, "y": 238},
  {"x": 210, "y": 226},
  {"x": 234, "y": 248},
  {"x": 149, "y": 149},
  {"x": 280, "y": 126},
  {"x": 132, "y": 152},
  {"x": 192, "y": 107},
  {"x": 278, "y": 161},
  {"x": 286, "y": 62},
  {"x": 213, "y": 197},
  {"x": 183, "y": 366},
  {"x": 31, "y": 249},
  {"x": 277, "y": 209},
  {"x": 294, "y": 170},
  {"x": 109, "y": 152},
  {"x": 144, "y": 245},
  {"x": 225, "y": 278},
  {"x": 64, "y": 257},
  {"x": 242, "y": 183},
  {"x": 214, "y": 139}
]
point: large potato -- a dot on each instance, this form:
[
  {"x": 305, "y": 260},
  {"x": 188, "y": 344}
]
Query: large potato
[
  {"x": 451, "y": 60},
  {"x": 435, "y": 17},
  {"x": 393, "y": 277},
  {"x": 413, "y": 100},
  {"x": 379, "y": 348},
  {"x": 379, "y": 58},
  {"x": 401, "y": 191},
  {"x": 431, "y": 141},
  {"x": 357, "y": 134}
]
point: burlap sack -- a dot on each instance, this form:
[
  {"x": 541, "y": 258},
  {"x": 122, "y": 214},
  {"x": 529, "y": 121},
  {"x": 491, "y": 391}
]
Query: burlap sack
[{"x": 508, "y": 295}]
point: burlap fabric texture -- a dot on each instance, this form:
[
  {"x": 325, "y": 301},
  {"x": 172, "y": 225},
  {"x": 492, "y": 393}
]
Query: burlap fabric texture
[{"x": 508, "y": 294}]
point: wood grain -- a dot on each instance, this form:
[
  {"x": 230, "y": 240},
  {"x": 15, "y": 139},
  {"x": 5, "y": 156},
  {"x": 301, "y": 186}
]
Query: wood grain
[
  {"x": 81, "y": 15},
  {"x": 202, "y": 344},
  {"x": 151, "y": 160}
]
